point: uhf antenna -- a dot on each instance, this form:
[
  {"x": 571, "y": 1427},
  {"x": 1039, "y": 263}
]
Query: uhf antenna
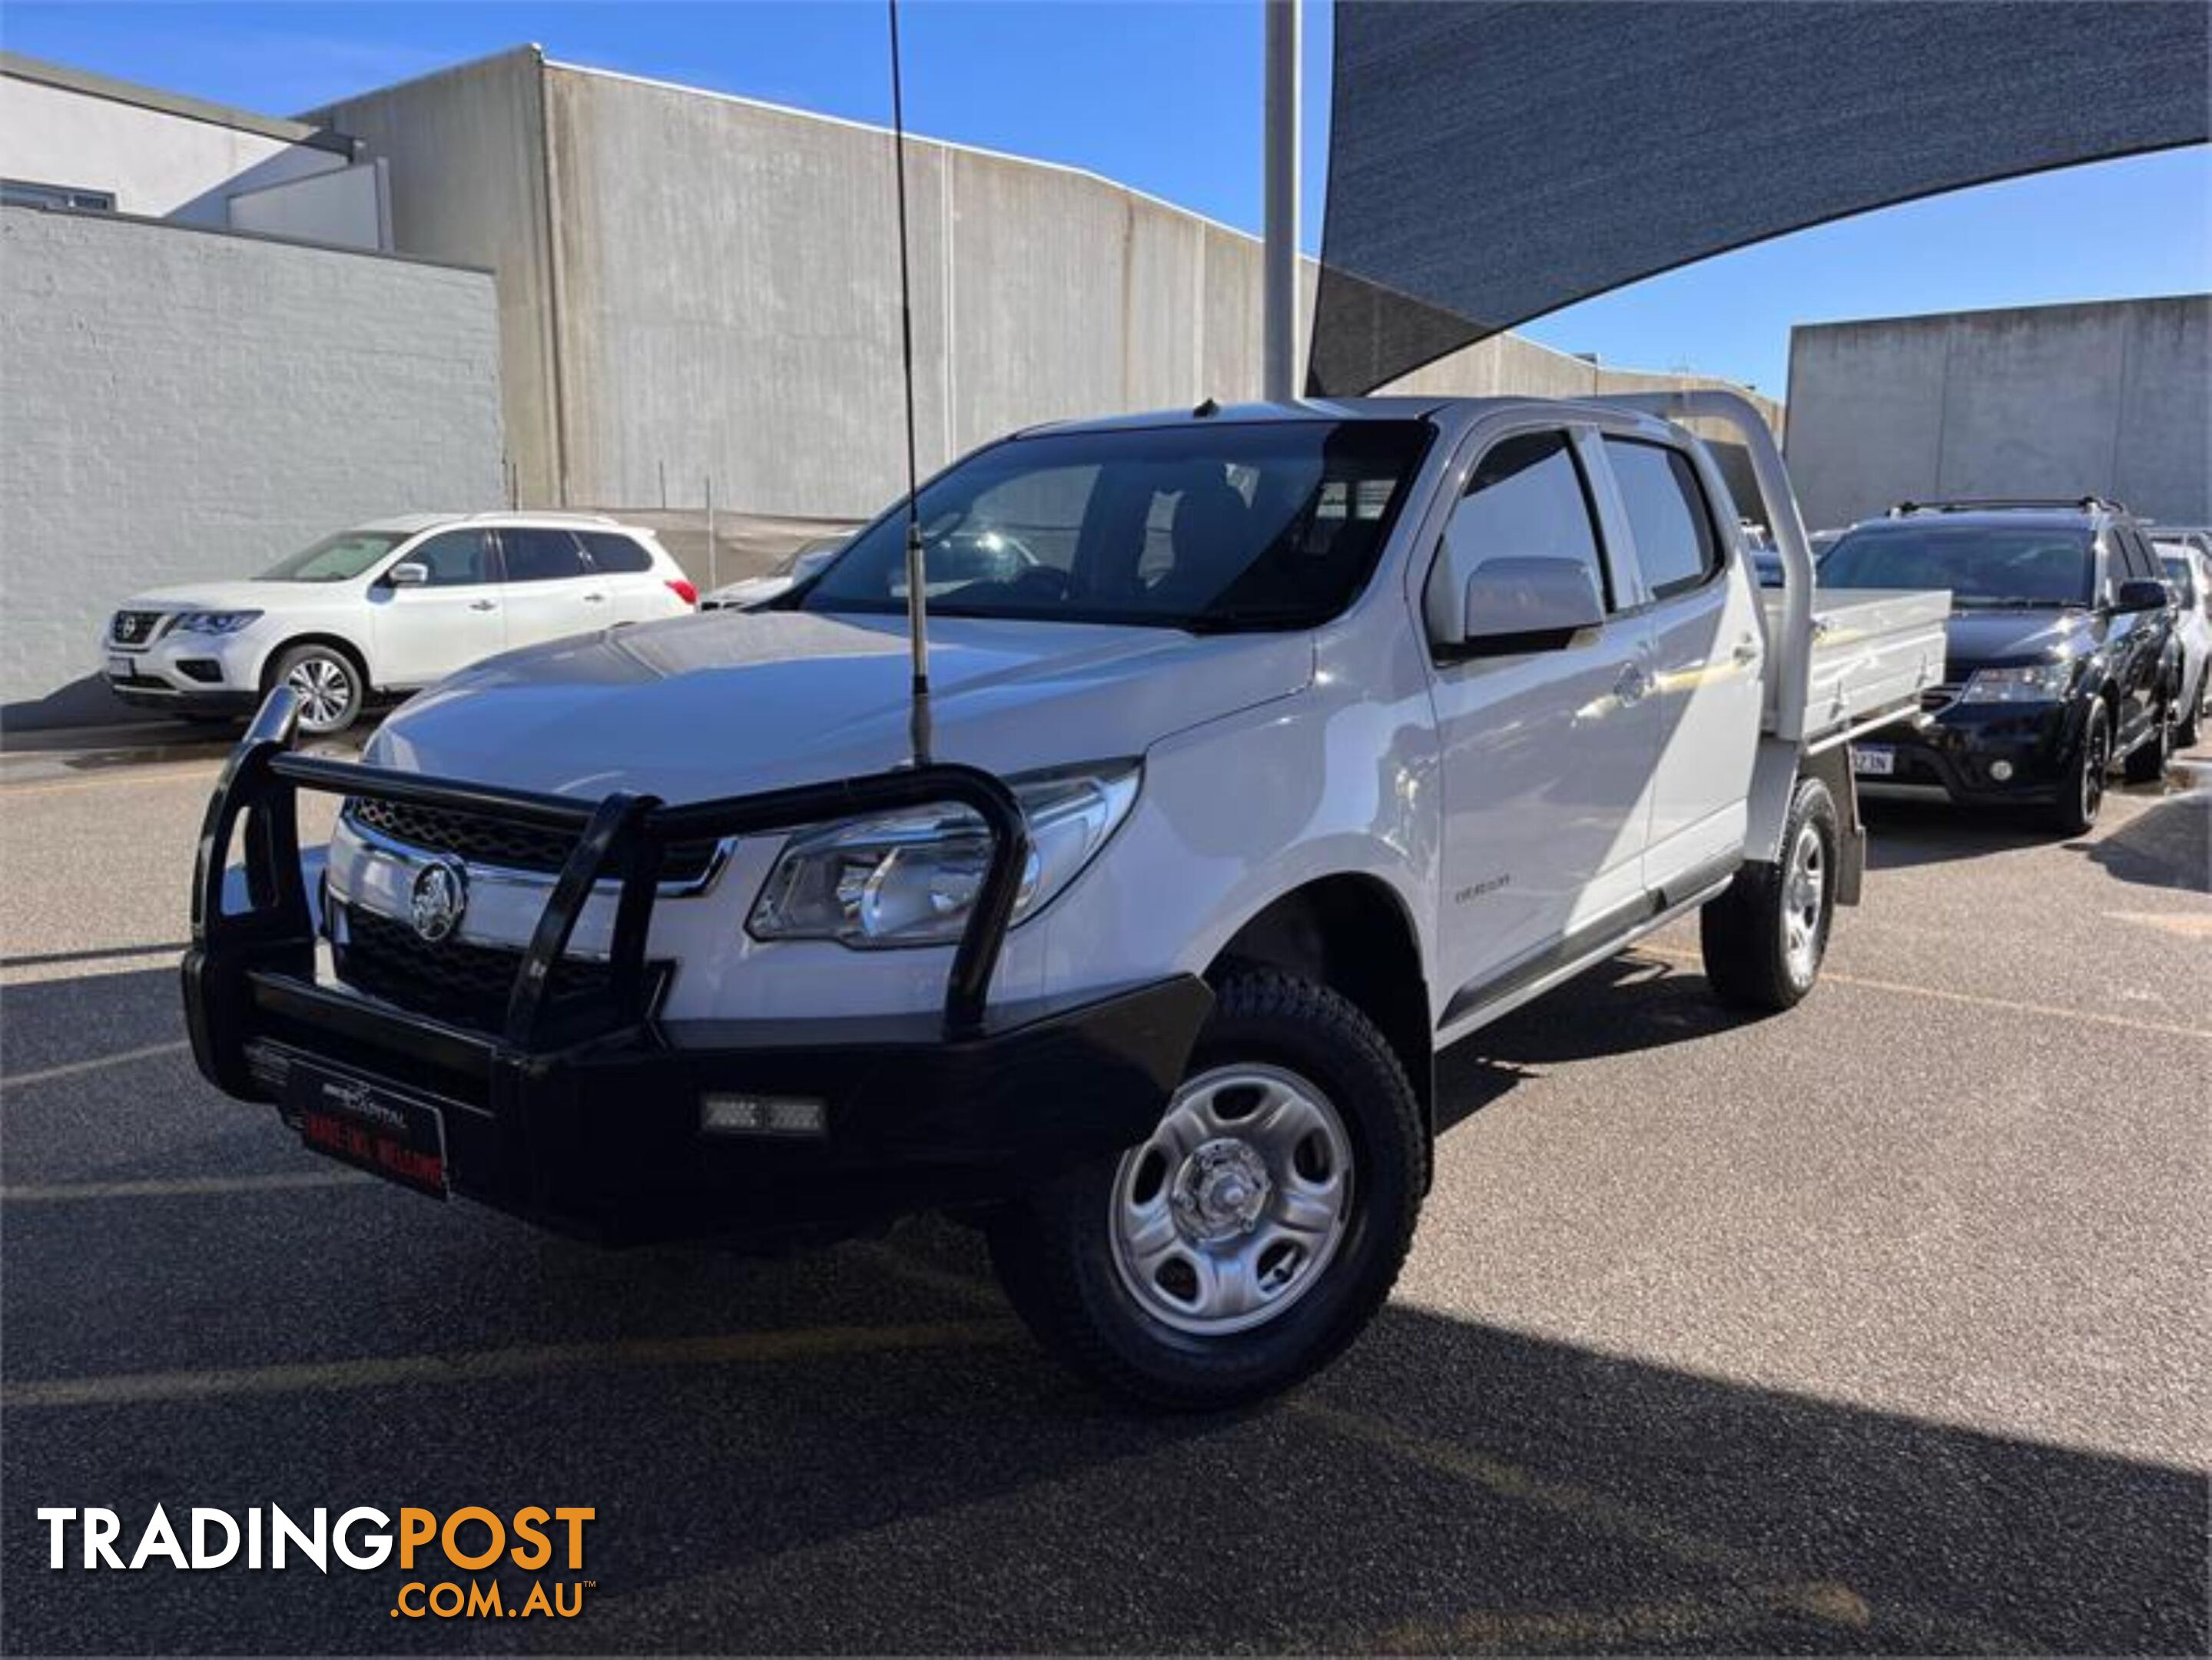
[{"x": 917, "y": 598}]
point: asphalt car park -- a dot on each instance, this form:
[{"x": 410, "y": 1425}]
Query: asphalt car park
[{"x": 1880, "y": 1325}]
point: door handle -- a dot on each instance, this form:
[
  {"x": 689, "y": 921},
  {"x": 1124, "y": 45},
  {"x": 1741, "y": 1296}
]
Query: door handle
[
  {"x": 595, "y": 600},
  {"x": 1746, "y": 652},
  {"x": 484, "y": 605},
  {"x": 1632, "y": 685}
]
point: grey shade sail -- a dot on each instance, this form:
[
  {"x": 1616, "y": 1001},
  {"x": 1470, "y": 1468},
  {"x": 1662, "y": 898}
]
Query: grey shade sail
[{"x": 1493, "y": 160}]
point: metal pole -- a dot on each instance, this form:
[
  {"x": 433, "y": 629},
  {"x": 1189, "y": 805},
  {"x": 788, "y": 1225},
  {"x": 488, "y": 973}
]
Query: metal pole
[
  {"x": 714, "y": 562},
  {"x": 1279, "y": 324}
]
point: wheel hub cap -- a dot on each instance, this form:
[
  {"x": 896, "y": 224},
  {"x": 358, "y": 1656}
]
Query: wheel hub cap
[
  {"x": 1234, "y": 1207},
  {"x": 1221, "y": 1191}
]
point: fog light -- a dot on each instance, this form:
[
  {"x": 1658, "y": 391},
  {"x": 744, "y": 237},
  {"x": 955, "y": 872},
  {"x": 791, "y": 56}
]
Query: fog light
[
  {"x": 762, "y": 1115},
  {"x": 2001, "y": 770}
]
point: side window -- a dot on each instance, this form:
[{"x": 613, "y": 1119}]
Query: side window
[
  {"x": 1675, "y": 545},
  {"x": 613, "y": 554},
  {"x": 540, "y": 555},
  {"x": 455, "y": 559},
  {"x": 1526, "y": 497}
]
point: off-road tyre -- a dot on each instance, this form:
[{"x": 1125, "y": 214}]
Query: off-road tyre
[
  {"x": 1754, "y": 957},
  {"x": 1055, "y": 1254}
]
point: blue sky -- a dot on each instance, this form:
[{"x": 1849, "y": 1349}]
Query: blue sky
[{"x": 1165, "y": 96}]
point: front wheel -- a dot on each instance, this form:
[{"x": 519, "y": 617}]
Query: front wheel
[
  {"x": 2082, "y": 786},
  {"x": 1764, "y": 939},
  {"x": 330, "y": 688},
  {"x": 1244, "y": 1244},
  {"x": 2146, "y": 763}
]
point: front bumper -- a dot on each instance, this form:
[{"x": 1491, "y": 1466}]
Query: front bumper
[
  {"x": 1954, "y": 751},
  {"x": 185, "y": 674},
  {"x": 587, "y": 1118}
]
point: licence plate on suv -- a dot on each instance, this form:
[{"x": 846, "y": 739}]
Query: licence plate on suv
[
  {"x": 1873, "y": 761},
  {"x": 384, "y": 1131},
  {"x": 120, "y": 667}
]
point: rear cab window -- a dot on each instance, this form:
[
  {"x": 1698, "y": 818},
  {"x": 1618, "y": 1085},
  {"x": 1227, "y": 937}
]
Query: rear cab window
[{"x": 1669, "y": 520}]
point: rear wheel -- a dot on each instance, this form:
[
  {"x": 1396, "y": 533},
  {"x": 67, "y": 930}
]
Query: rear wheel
[
  {"x": 328, "y": 686},
  {"x": 1764, "y": 939},
  {"x": 1254, "y": 1234},
  {"x": 2082, "y": 788},
  {"x": 2189, "y": 728}
]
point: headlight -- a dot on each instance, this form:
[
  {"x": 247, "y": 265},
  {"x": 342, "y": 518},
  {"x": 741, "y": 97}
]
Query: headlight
[
  {"x": 911, "y": 878},
  {"x": 2035, "y": 683},
  {"x": 213, "y": 622}
]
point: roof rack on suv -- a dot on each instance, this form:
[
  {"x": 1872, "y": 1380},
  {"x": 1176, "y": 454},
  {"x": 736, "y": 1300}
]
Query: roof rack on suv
[
  {"x": 2008, "y": 503},
  {"x": 557, "y": 516}
]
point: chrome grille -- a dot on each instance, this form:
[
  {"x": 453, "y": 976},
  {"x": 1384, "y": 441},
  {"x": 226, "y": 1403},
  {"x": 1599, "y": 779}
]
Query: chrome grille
[
  {"x": 134, "y": 628},
  {"x": 479, "y": 839}
]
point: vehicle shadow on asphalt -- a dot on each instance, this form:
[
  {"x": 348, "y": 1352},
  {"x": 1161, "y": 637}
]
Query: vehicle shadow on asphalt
[
  {"x": 2170, "y": 845},
  {"x": 1448, "y": 1485},
  {"x": 1648, "y": 1002},
  {"x": 1903, "y": 835}
]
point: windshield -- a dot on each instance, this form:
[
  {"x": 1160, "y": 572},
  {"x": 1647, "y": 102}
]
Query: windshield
[
  {"x": 2178, "y": 574},
  {"x": 1982, "y": 565},
  {"x": 337, "y": 558},
  {"x": 1273, "y": 524}
]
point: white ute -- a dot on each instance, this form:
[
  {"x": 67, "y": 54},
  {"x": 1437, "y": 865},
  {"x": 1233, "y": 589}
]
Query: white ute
[
  {"x": 1275, "y": 748},
  {"x": 385, "y": 608}
]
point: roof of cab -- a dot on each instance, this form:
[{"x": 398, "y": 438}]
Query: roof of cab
[{"x": 1395, "y": 408}]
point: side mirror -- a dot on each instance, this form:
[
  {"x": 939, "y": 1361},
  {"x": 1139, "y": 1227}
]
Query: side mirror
[
  {"x": 408, "y": 575},
  {"x": 2140, "y": 593},
  {"x": 1526, "y": 603}
]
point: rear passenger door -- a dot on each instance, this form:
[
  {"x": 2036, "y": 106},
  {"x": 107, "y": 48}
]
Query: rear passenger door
[
  {"x": 1707, "y": 645},
  {"x": 636, "y": 592},
  {"x": 1545, "y": 753},
  {"x": 550, "y": 591}
]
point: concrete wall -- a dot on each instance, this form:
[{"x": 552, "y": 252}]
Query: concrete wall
[
  {"x": 153, "y": 162},
  {"x": 176, "y": 404},
  {"x": 347, "y": 207},
  {"x": 466, "y": 157},
  {"x": 2113, "y": 397},
  {"x": 696, "y": 286}
]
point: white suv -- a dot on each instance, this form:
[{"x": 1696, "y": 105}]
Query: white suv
[{"x": 386, "y": 607}]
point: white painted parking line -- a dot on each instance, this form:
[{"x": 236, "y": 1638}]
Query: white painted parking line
[
  {"x": 72, "y": 1069},
  {"x": 182, "y": 1186},
  {"x": 371, "y": 1372},
  {"x": 1974, "y": 1000}
]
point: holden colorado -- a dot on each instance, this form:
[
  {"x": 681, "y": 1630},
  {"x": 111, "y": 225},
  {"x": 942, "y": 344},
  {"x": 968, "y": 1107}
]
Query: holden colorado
[{"x": 1273, "y": 749}]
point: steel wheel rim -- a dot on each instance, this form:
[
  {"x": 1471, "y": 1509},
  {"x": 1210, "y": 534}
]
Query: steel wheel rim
[
  {"x": 325, "y": 691},
  {"x": 1804, "y": 890},
  {"x": 1235, "y": 1207}
]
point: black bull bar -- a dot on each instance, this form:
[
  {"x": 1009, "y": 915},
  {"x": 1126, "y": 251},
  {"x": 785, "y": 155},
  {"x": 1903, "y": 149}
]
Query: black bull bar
[{"x": 584, "y": 1114}]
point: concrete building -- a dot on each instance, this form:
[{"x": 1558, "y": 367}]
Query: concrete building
[
  {"x": 696, "y": 287},
  {"x": 2112, "y": 398},
  {"x": 71, "y": 139},
  {"x": 182, "y": 399}
]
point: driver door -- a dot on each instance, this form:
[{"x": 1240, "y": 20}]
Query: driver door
[
  {"x": 1547, "y": 755},
  {"x": 425, "y": 632}
]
